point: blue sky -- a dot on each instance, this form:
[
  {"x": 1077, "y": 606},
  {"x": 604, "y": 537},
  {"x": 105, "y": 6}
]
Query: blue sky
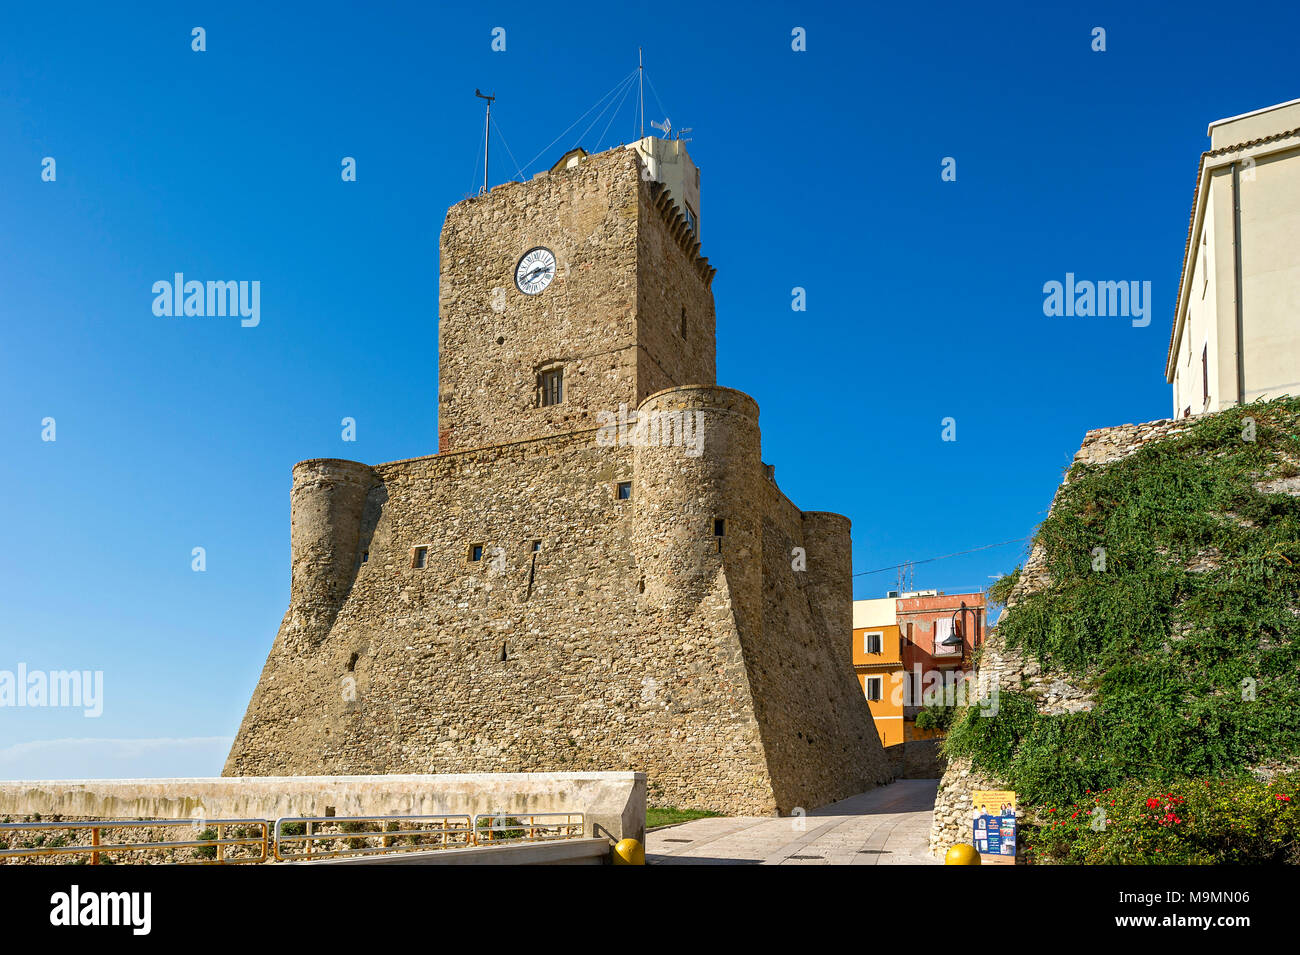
[{"x": 820, "y": 169}]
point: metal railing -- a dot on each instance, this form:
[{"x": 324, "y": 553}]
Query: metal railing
[
  {"x": 494, "y": 828},
  {"x": 430, "y": 832},
  {"x": 97, "y": 847},
  {"x": 304, "y": 838}
]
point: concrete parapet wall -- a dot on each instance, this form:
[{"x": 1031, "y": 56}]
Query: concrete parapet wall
[{"x": 613, "y": 803}]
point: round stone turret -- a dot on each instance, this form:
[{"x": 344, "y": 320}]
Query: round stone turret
[
  {"x": 325, "y": 506},
  {"x": 699, "y": 486}
]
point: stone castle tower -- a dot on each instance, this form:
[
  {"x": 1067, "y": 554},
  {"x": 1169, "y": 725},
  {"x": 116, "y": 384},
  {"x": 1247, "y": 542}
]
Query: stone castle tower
[{"x": 596, "y": 571}]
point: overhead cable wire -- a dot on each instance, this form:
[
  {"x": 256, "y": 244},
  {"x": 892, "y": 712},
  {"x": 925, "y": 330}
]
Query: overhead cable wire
[
  {"x": 601, "y": 114},
  {"x": 617, "y": 86},
  {"x": 612, "y": 117},
  {"x": 930, "y": 560}
]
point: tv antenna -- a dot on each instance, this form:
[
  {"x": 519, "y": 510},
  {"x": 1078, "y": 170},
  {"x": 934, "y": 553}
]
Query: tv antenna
[
  {"x": 486, "y": 136},
  {"x": 905, "y": 581},
  {"x": 665, "y": 127}
]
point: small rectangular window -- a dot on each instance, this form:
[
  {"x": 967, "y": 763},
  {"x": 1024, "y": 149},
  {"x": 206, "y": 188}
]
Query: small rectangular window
[
  {"x": 365, "y": 556},
  {"x": 1204, "y": 263},
  {"x": 552, "y": 386},
  {"x": 475, "y": 551},
  {"x": 875, "y": 686},
  {"x": 871, "y": 642},
  {"x": 1205, "y": 372},
  {"x": 624, "y": 490},
  {"x": 719, "y": 527},
  {"x": 419, "y": 557},
  {"x": 537, "y": 545}
]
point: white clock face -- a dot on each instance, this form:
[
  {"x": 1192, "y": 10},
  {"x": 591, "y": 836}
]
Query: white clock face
[{"x": 535, "y": 271}]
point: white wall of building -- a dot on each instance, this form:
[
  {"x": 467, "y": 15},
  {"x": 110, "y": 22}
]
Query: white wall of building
[{"x": 1263, "y": 178}]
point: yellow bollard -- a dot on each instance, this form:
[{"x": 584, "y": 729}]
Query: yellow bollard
[
  {"x": 962, "y": 854},
  {"x": 629, "y": 852}
]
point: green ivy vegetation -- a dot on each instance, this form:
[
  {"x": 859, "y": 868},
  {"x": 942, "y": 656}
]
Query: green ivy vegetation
[
  {"x": 1002, "y": 587},
  {"x": 936, "y": 717},
  {"x": 1195, "y": 671}
]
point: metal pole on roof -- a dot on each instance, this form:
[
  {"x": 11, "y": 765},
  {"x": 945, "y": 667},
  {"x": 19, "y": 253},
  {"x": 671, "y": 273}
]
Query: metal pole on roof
[{"x": 487, "y": 142}]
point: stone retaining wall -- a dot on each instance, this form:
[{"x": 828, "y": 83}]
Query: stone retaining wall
[{"x": 1012, "y": 669}]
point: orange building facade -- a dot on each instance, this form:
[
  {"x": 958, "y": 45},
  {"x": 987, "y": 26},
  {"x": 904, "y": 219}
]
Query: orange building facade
[
  {"x": 909, "y": 651},
  {"x": 878, "y": 663}
]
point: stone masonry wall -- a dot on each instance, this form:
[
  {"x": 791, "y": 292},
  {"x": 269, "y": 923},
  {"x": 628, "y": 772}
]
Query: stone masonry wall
[
  {"x": 675, "y": 312},
  {"x": 493, "y": 339},
  {"x": 612, "y": 317},
  {"x": 1012, "y": 669},
  {"x": 694, "y": 632},
  {"x": 629, "y": 639}
]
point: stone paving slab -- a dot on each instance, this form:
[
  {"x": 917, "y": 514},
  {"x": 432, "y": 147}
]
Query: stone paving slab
[{"x": 885, "y": 826}]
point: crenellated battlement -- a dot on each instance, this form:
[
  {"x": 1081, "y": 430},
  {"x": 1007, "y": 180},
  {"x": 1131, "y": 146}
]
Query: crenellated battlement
[{"x": 680, "y": 229}]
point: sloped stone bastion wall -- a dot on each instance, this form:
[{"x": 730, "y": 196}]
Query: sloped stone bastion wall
[{"x": 594, "y": 633}]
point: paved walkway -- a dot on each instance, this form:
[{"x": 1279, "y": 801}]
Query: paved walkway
[{"x": 885, "y": 826}]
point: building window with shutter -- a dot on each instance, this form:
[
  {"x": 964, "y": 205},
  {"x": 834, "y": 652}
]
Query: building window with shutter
[
  {"x": 552, "y": 386},
  {"x": 872, "y": 642},
  {"x": 875, "y": 688},
  {"x": 942, "y": 631}
]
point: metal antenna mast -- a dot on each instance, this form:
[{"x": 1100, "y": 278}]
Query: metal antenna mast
[
  {"x": 905, "y": 581},
  {"x": 640, "y": 65},
  {"x": 487, "y": 133}
]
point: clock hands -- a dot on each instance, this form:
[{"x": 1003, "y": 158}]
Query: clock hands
[{"x": 535, "y": 271}]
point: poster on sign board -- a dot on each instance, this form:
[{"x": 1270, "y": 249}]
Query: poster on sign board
[{"x": 995, "y": 826}]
